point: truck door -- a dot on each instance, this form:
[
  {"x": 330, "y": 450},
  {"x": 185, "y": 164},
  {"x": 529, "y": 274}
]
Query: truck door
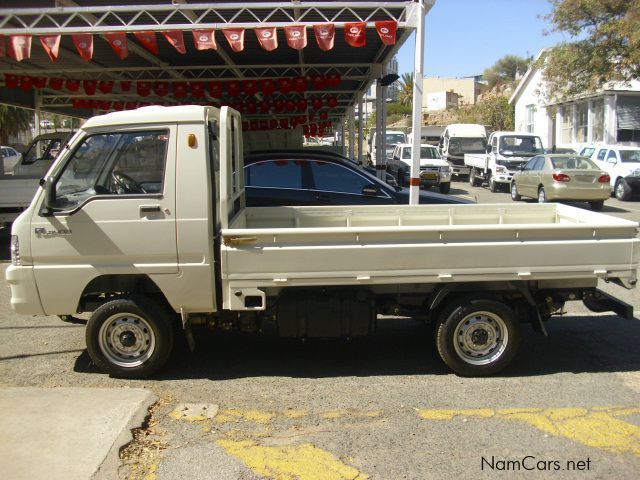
[{"x": 113, "y": 211}]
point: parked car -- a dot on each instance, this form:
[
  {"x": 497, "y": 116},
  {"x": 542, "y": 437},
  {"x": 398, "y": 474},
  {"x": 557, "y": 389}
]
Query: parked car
[
  {"x": 562, "y": 177},
  {"x": 10, "y": 156},
  {"x": 434, "y": 171},
  {"x": 299, "y": 178},
  {"x": 622, "y": 164},
  {"x": 41, "y": 153}
]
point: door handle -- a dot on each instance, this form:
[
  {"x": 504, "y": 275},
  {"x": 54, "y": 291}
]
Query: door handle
[
  {"x": 322, "y": 197},
  {"x": 150, "y": 209}
]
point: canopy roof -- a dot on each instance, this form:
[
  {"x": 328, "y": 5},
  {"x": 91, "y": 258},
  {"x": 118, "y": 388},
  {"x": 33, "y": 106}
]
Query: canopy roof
[{"x": 355, "y": 67}]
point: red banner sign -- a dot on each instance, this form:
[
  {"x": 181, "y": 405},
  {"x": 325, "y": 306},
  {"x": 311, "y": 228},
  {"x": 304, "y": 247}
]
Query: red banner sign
[
  {"x": 325, "y": 35},
  {"x": 387, "y": 30},
  {"x": 118, "y": 42},
  {"x": 204, "y": 40},
  {"x": 296, "y": 36},
  {"x": 84, "y": 45},
  {"x": 148, "y": 41},
  {"x": 355, "y": 34},
  {"x": 268, "y": 38},
  {"x": 235, "y": 37}
]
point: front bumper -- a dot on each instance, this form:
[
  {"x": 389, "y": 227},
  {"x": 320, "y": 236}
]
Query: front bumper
[
  {"x": 430, "y": 178},
  {"x": 561, "y": 191},
  {"x": 24, "y": 292}
]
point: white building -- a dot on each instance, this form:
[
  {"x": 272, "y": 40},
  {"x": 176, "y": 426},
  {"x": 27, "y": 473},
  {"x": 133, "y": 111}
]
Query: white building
[{"x": 611, "y": 115}]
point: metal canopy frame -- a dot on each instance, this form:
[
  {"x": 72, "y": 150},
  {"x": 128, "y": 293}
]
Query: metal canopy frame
[{"x": 358, "y": 67}]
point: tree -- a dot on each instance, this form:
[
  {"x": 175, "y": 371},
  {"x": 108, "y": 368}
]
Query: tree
[
  {"x": 493, "y": 111},
  {"x": 405, "y": 96},
  {"x": 606, "y": 46},
  {"x": 505, "y": 70},
  {"x": 13, "y": 120}
]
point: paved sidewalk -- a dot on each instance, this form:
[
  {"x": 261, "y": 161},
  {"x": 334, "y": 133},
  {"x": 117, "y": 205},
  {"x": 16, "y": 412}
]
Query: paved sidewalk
[{"x": 67, "y": 433}]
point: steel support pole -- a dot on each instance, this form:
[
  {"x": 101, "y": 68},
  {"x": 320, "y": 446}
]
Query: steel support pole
[
  {"x": 37, "y": 113},
  {"x": 360, "y": 131},
  {"x": 383, "y": 114},
  {"x": 380, "y": 155},
  {"x": 417, "y": 108},
  {"x": 352, "y": 131}
]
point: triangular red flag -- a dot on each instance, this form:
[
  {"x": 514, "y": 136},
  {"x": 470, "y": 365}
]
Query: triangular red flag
[
  {"x": 51, "y": 45},
  {"x": 235, "y": 37},
  {"x": 118, "y": 41},
  {"x": 105, "y": 86},
  {"x": 325, "y": 35},
  {"x": 355, "y": 34},
  {"x": 89, "y": 86},
  {"x": 267, "y": 37},
  {"x": 148, "y": 41},
  {"x": 20, "y": 47},
  {"x": 205, "y": 40},
  {"x": 84, "y": 45},
  {"x": 175, "y": 38},
  {"x": 2, "y": 50},
  {"x": 387, "y": 31},
  {"x": 296, "y": 36}
]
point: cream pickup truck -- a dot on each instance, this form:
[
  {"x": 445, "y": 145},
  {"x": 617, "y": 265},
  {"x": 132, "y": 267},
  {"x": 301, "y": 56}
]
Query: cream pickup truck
[{"x": 142, "y": 221}]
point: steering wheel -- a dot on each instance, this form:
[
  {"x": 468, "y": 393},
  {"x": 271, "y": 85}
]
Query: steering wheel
[{"x": 124, "y": 182}]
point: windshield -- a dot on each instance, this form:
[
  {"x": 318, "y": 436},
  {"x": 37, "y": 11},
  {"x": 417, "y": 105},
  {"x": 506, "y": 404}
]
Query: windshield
[
  {"x": 43, "y": 150},
  {"x": 630, "y": 156},
  {"x": 520, "y": 146},
  {"x": 394, "y": 138},
  {"x": 425, "y": 152},
  {"x": 460, "y": 145}
]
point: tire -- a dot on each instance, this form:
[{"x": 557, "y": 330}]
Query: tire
[
  {"x": 493, "y": 186},
  {"x": 542, "y": 195},
  {"x": 477, "y": 336},
  {"x": 444, "y": 187},
  {"x": 622, "y": 190},
  {"x": 597, "y": 206},
  {"x": 134, "y": 318},
  {"x": 474, "y": 181},
  {"x": 515, "y": 196}
]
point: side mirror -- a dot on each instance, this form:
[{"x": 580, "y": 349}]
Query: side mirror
[
  {"x": 370, "y": 190},
  {"x": 49, "y": 193},
  {"x": 395, "y": 157},
  {"x": 521, "y": 167},
  {"x": 489, "y": 148}
]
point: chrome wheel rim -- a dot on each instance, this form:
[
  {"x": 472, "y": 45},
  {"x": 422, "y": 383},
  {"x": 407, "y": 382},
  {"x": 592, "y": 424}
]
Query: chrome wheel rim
[
  {"x": 127, "y": 340},
  {"x": 514, "y": 191},
  {"x": 541, "y": 196},
  {"x": 619, "y": 190},
  {"x": 481, "y": 338}
]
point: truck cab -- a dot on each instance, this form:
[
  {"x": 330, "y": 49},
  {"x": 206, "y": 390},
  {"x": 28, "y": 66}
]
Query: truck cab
[
  {"x": 434, "y": 171},
  {"x": 459, "y": 139}
]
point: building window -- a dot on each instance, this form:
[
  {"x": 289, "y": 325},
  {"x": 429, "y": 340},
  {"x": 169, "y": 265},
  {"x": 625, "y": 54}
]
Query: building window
[
  {"x": 597, "y": 120},
  {"x": 582, "y": 125},
  {"x": 628, "y": 116},
  {"x": 566, "y": 125},
  {"x": 529, "y": 122}
]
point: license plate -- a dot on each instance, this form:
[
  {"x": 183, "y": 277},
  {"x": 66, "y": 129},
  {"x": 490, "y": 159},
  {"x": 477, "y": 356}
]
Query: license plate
[{"x": 429, "y": 176}]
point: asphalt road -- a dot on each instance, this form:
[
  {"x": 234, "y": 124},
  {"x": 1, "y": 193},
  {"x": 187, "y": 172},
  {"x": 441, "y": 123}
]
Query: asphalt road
[{"x": 382, "y": 407}]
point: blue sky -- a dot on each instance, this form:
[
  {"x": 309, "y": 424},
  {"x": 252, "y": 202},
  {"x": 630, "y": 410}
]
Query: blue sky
[{"x": 463, "y": 37}]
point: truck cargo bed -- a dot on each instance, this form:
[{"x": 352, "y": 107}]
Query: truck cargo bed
[{"x": 297, "y": 246}]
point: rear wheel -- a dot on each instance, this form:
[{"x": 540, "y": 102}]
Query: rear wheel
[
  {"x": 515, "y": 196},
  {"x": 622, "y": 190},
  {"x": 477, "y": 337},
  {"x": 444, "y": 187},
  {"x": 542, "y": 195},
  {"x": 474, "y": 181},
  {"x": 130, "y": 337},
  {"x": 597, "y": 205}
]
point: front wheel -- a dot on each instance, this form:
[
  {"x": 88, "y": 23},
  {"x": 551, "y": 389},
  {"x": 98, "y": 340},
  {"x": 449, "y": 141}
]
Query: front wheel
[
  {"x": 444, "y": 187},
  {"x": 130, "y": 337},
  {"x": 515, "y": 196},
  {"x": 477, "y": 337},
  {"x": 474, "y": 181}
]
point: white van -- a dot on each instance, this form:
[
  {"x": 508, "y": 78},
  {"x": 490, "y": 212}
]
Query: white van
[
  {"x": 392, "y": 138},
  {"x": 460, "y": 138}
]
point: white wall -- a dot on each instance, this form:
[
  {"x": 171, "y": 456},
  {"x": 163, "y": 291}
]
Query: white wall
[{"x": 532, "y": 94}]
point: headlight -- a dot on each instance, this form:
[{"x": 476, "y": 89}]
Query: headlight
[
  {"x": 501, "y": 169},
  {"x": 636, "y": 173},
  {"x": 445, "y": 170},
  {"x": 15, "y": 251}
]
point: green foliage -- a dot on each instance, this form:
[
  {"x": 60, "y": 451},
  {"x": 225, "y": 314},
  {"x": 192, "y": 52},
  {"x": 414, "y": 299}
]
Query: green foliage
[
  {"x": 398, "y": 108},
  {"x": 505, "y": 70},
  {"x": 405, "y": 95},
  {"x": 606, "y": 46},
  {"x": 13, "y": 120},
  {"x": 494, "y": 112}
]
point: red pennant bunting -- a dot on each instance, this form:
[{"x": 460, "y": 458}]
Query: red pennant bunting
[
  {"x": 104, "y": 105},
  {"x": 296, "y": 36},
  {"x": 56, "y": 83},
  {"x": 118, "y": 105},
  {"x": 334, "y": 80},
  {"x": 105, "y": 86},
  {"x": 125, "y": 85},
  {"x": 235, "y": 37},
  {"x": 161, "y": 88},
  {"x": 252, "y": 107},
  {"x": 387, "y": 30},
  {"x": 355, "y": 34},
  {"x": 180, "y": 89},
  {"x": 175, "y": 38},
  {"x": 273, "y": 124},
  {"x": 20, "y": 47},
  {"x": 89, "y": 86},
  {"x": 26, "y": 83},
  {"x": 205, "y": 40},
  {"x": 265, "y": 107},
  {"x": 84, "y": 45},
  {"x": 302, "y": 105},
  {"x": 267, "y": 37},
  {"x": 216, "y": 89},
  {"x": 319, "y": 82},
  {"x": 233, "y": 88},
  {"x": 119, "y": 43},
  {"x": 39, "y": 82},
  {"x": 299, "y": 84},
  {"x": 72, "y": 85},
  {"x": 197, "y": 89},
  {"x": 332, "y": 102},
  {"x": 268, "y": 87},
  {"x": 2, "y": 50},
  {"x": 279, "y": 106},
  {"x": 130, "y": 105},
  {"x": 249, "y": 87},
  {"x": 317, "y": 104},
  {"x": 325, "y": 35},
  {"x": 148, "y": 41},
  {"x": 143, "y": 88},
  {"x": 51, "y": 45},
  {"x": 285, "y": 85},
  {"x": 290, "y": 105},
  {"x": 323, "y": 115}
]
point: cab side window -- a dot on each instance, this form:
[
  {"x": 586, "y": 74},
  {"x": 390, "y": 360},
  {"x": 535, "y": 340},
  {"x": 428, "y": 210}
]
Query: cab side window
[
  {"x": 113, "y": 164},
  {"x": 602, "y": 153}
]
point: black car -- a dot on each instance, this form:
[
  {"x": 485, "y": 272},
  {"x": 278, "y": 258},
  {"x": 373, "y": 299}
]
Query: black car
[{"x": 309, "y": 178}]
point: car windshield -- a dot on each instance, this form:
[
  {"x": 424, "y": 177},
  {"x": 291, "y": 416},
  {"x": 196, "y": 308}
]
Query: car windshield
[
  {"x": 573, "y": 163},
  {"x": 43, "y": 149},
  {"x": 630, "y": 156},
  {"x": 460, "y": 145},
  {"x": 520, "y": 146},
  {"x": 394, "y": 138},
  {"x": 425, "y": 152}
]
